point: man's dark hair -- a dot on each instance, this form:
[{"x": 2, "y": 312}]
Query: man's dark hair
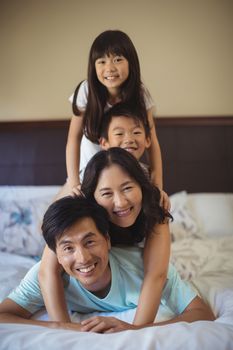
[{"x": 65, "y": 212}]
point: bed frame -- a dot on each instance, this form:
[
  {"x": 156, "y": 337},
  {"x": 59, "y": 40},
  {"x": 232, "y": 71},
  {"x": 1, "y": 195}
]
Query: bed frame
[{"x": 197, "y": 153}]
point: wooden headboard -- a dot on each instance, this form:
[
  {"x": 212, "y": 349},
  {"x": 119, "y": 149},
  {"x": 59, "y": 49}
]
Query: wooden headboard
[{"x": 197, "y": 153}]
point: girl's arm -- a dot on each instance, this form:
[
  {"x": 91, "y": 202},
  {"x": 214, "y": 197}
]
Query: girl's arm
[
  {"x": 155, "y": 160},
  {"x": 52, "y": 288},
  {"x": 73, "y": 154},
  {"x": 156, "y": 260}
]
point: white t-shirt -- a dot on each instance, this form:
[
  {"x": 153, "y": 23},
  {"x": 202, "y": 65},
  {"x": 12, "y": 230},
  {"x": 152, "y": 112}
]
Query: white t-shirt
[{"x": 88, "y": 148}]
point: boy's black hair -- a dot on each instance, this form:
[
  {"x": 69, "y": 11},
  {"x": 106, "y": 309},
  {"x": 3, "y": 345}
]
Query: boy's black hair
[
  {"x": 65, "y": 212},
  {"x": 122, "y": 110}
]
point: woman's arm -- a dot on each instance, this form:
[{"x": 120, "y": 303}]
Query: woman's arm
[
  {"x": 52, "y": 288},
  {"x": 156, "y": 260},
  {"x": 73, "y": 154}
]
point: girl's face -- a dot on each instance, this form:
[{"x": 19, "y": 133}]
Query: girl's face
[
  {"x": 120, "y": 195},
  {"x": 112, "y": 71}
]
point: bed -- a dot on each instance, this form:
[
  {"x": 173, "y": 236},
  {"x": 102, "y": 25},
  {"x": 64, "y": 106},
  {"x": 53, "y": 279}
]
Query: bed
[{"x": 198, "y": 175}]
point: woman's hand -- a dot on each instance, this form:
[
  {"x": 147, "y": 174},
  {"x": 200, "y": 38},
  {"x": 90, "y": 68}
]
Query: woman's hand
[{"x": 101, "y": 324}]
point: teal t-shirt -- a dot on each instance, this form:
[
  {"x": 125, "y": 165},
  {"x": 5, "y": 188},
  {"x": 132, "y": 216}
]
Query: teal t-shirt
[{"x": 127, "y": 275}]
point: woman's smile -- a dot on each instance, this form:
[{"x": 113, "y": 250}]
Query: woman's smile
[{"x": 120, "y": 195}]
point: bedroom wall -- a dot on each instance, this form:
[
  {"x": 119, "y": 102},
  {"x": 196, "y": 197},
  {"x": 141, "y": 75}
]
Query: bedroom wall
[{"x": 185, "y": 49}]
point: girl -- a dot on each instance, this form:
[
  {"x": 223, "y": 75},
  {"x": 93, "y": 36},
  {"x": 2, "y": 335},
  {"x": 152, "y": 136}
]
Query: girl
[
  {"x": 113, "y": 76},
  {"x": 115, "y": 179}
]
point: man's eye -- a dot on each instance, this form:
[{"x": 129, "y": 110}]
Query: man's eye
[{"x": 68, "y": 249}]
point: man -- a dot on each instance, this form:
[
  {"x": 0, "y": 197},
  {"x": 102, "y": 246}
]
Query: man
[{"x": 96, "y": 278}]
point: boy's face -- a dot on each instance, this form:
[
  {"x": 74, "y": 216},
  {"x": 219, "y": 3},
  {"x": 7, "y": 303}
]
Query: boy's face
[
  {"x": 83, "y": 252},
  {"x": 127, "y": 133}
]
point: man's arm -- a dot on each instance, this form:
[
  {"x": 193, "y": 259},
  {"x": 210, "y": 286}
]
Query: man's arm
[
  {"x": 11, "y": 312},
  {"x": 197, "y": 310}
]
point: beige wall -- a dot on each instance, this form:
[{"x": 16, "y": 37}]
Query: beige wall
[{"x": 185, "y": 49}]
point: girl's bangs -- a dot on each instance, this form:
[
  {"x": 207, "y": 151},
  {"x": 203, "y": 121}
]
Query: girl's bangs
[{"x": 111, "y": 49}]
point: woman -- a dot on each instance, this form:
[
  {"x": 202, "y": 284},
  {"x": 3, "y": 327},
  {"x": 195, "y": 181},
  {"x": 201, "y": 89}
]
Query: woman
[{"x": 115, "y": 180}]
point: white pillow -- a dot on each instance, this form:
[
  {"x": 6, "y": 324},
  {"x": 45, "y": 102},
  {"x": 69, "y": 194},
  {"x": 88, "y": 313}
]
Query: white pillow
[
  {"x": 214, "y": 212},
  {"x": 185, "y": 224},
  {"x": 20, "y": 225}
]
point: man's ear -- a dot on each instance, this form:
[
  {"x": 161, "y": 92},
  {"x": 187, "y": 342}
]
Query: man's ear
[
  {"x": 108, "y": 242},
  {"x": 104, "y": 144}
]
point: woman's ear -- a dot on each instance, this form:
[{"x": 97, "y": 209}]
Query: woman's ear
[{"x": 104, "y": 144}]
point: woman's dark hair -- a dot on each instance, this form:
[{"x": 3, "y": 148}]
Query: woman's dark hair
[
  {"x": 65, "y": 212},
  {"x": 121, "y": 109},
  {"x": 151, "y": 213},
  {"x": 118, "y": 43}
]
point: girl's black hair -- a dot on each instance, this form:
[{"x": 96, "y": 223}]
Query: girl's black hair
[
  {"x": 118, "y": 43},
  {"x": 151, "y": 213}
]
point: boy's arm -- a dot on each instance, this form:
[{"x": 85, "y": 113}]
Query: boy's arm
[
  {"x": 156, "y": 259},
  {"x": 52, "y": 287},
  {"x": 11, "y": 312},
  {"x": 155, "y": 159}
]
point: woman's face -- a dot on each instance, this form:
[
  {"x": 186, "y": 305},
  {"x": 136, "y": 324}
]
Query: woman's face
[{"x": 120, "y": 195}]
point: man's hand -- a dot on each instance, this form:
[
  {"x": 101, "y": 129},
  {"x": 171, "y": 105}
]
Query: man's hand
[{"x": 101, "y": 324}]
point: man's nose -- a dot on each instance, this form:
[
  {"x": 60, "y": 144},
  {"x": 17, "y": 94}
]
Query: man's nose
[{"x": 82, "y": 255}]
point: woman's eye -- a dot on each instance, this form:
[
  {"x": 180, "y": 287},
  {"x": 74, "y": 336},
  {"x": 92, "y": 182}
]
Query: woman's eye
[
  {"x": 106, "y": 194},
  {"x": 127, "y": 188}
]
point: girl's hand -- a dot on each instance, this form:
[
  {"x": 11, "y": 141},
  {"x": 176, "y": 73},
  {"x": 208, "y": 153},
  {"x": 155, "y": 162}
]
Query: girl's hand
[
  {"x": 165, "y": 201},
  {"x": 76, "y": 190},
  {"x": 101, "y": 324}
]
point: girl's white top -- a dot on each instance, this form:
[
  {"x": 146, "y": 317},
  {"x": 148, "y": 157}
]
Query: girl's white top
[{"x": 88, "y": 148}]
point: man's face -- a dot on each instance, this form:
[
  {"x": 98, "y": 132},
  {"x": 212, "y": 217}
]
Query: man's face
[
  {"x": 83, "y": 252},
  {"x": 128, "y": 133}
]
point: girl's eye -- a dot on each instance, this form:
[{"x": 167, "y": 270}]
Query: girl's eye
[
  {"x": 118, "y": 134},
  {"x": 137, "y": 132},
  {"x": 118, "y": 59},
  {"x": 100, "y": 61}
]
